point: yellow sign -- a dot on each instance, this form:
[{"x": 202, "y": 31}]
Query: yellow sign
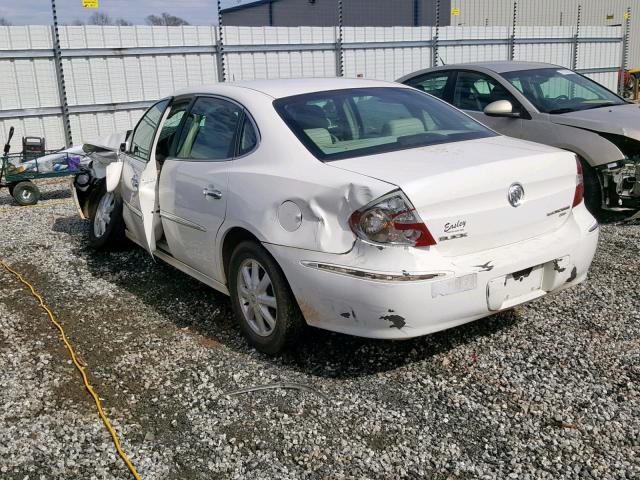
[
  {"x": 90, "y": 3},
  {"x": 627, "y": 15},
  {"x": 455, "y": 12}
]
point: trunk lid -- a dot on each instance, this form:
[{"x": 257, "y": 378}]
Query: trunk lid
[{"x": 461, "y": 189}]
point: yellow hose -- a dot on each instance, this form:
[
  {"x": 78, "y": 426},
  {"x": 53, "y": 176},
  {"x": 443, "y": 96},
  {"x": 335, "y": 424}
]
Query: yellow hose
[{"x": 88, "y": 386}]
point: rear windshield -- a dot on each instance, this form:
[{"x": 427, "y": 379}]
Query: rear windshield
[{"x": 340, "y": 124}]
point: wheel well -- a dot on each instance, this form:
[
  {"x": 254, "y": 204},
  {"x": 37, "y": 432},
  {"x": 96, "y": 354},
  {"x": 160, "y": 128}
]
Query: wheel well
[
  {"x": 86, "y": 199},
  {"x": 233, "y": 237}
]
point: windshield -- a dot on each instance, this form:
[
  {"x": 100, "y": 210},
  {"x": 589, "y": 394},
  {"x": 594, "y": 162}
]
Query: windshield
[
  {"x": 340, "y": 124},
  {"x": 557, "y": 90}
]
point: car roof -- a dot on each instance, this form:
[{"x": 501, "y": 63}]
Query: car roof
[
  {"x": 496, "y": 66},
  {"x": 287, "y": 87},
  {"x": 502, "y": 66}
]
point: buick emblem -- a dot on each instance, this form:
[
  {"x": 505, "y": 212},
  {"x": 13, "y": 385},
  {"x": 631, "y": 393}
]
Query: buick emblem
[{"x": 515, "y": 195}]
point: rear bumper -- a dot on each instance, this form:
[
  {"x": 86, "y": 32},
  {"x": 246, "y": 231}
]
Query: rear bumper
[{"x": 461, "y": 289}]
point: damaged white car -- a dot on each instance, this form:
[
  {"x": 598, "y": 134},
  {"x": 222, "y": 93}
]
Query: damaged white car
[{"x": 362, "y": 207}]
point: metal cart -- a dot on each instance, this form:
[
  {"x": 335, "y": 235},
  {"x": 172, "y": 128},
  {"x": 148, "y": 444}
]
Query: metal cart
[{"x": 18, "y": 170}]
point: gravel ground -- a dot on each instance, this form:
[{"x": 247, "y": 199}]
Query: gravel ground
[{"x": 549, "y": 390}]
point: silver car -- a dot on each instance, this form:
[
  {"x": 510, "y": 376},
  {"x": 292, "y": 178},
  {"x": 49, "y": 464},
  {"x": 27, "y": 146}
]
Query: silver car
[{"x": 549, "y": 104}]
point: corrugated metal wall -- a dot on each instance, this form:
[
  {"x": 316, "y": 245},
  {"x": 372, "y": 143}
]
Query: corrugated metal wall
[
  {"x": 544, "y": 13},
  {"x": 112, "y": 73}
]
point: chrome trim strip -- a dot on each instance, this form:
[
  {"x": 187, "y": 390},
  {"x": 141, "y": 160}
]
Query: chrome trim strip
[
  {"x": 182, "y": 221},
  {"x": 132, "y": 208},
  {"x": 594, "y": 227},
  {"x": 372, "y": 275},
  {"x": 559, "y": 210}
]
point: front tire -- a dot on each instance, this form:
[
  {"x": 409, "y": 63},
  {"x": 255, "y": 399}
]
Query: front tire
[
  {"x": 262, "y": 301},
  {"x": 107, "y": 225}
]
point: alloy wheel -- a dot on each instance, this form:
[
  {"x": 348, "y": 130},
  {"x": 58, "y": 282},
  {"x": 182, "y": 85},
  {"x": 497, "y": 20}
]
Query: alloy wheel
[{"x": 257, "y": 298}]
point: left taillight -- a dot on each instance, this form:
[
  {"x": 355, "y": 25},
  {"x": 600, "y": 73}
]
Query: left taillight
[
  {"x": 578, "y": 196},
  {"x": 391, "y": 220}
]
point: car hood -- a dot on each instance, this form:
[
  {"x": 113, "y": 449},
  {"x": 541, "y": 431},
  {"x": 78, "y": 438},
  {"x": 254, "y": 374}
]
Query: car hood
[{"x": 617, "y": 119}]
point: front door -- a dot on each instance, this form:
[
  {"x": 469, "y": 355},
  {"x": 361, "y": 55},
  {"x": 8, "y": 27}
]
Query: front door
[
  {"x": 473, "y": 91},
  {"x": 139, "y": 173},
  {"x": 194, "y": 182}
]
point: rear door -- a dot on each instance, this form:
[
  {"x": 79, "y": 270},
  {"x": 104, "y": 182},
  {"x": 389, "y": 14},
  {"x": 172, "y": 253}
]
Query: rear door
[
  {"x": 473, "y": 91},
  {"x": 194, "y": 181},
  {"x": 139, "y": 173}
]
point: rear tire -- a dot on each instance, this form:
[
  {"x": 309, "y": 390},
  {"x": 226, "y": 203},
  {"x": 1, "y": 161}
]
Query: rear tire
[
  {"x": 105, "y": 213},
  {"x": 592, "y": 189},
  {"x": 25, "y": 193},
  {"x": 262, "y": 301}
]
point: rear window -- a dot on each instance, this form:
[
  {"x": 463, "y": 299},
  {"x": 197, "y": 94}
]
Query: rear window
[{"x": 340, "y": 124}]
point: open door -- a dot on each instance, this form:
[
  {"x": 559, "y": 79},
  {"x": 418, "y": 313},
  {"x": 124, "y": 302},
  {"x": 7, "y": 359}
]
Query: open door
[
  {"x": 148, "y": 193},
  {"x": 149, "y": 206}
]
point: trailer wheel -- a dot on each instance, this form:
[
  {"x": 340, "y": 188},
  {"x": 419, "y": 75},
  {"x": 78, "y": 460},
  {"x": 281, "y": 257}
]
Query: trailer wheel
[{"x": 26, "y": 193}]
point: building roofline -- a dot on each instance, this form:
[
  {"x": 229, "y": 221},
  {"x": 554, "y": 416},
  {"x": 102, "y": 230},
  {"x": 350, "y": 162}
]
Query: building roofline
[{"x": 244, "y": 6}]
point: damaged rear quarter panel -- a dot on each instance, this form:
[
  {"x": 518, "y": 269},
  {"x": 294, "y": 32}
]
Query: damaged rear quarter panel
[{"x": 281, "y": 169}]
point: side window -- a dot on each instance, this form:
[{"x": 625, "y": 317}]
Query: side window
[
  {"x": 474, "y": 91},
  {"x": 432, "y": 83},
  {"x": 248, "y": 137},
  {"x": 209, "y": 130},
  {"x": 142, "y": 140},
  {"x": 170, "y": 129}
]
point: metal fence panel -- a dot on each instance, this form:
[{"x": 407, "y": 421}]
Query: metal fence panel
[
  {"x": 386, "y": 53},
  {"x": 112, "y": 73},
  {"x": 279, "y": 52}
]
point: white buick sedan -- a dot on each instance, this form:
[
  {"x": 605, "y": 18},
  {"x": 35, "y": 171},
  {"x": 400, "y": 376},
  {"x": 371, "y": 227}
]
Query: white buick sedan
[{"x": 362, "y": 207}]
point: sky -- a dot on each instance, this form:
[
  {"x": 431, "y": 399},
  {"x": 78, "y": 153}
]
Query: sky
[{"x": 38, "y": 12}]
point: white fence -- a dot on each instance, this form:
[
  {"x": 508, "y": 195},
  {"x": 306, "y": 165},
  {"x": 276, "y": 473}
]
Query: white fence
[{"x": 112, "y": 73}]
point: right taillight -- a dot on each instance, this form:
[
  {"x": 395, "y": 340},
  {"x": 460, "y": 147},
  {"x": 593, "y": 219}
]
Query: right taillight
[
  {"x": 578, "y": 196},
  {"x": 391, "y": 220}
]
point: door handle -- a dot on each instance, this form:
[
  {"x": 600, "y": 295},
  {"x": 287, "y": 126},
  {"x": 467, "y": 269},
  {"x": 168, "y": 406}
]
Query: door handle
[
  {"x": 135, "y": 181},
  {"x": 212, "y": 192}
]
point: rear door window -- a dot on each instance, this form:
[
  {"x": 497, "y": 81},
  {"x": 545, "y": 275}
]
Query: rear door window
[
  {"x": 248, "y": 137},
  {"x": 209, "y": 130}
]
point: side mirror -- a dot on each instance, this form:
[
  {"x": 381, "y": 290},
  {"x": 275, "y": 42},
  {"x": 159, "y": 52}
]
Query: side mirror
[
  {"x": 123, "y": 147},
  {"x": 501, "y": 108}
]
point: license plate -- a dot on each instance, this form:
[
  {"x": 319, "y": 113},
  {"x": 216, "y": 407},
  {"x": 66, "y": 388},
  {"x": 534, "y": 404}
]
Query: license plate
[{"x": 514, "y": 288}]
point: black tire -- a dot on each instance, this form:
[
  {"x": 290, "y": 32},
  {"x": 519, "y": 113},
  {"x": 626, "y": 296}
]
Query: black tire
[
  {"x": 113, "y": 236},
  {"x": 25, "y": 193},
  {"x": 11, "y": 186},
  {"x": 289, "y": 322},
  {"x": 592, "y": 189}
]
